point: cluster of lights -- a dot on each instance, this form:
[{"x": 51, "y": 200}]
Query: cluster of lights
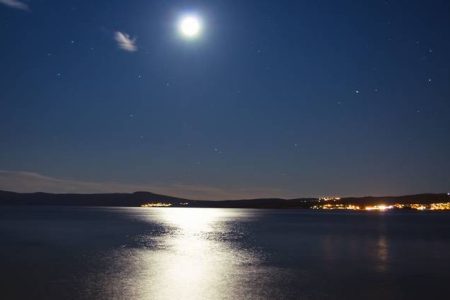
[
  {"x": 380, "y": 207},
  {"x": 384, "y": 207},
  {"x": 431, "y": 206},
  {"x": 329, "y": 198},
  {"x": 337, "y": 206},
  {"x": 440, "y": 206},
  {"x": 156, "y": 204},
  {"x": 413, "y": 206}
]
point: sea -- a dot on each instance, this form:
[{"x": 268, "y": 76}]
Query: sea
[{"x": 56, "y": 252}]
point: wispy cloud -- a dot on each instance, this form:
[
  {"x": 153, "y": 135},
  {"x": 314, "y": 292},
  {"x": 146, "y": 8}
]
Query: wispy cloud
[
  {"x": 27, "y": 182},
  {"x": 124, "y": 41},
  {"x": 15, "y": 4}
]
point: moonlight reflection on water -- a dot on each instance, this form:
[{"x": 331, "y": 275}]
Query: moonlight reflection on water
[{"x": 197, "y": 256}]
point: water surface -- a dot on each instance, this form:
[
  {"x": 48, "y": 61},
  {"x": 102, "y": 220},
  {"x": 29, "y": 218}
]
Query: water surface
[{"x": 204, "y": 253}]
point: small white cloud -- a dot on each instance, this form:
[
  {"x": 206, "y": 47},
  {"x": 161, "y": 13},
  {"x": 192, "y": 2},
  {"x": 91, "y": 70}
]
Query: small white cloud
[
  {"x": 124, "y": 41},
  {"x": 15, "y": 4}
]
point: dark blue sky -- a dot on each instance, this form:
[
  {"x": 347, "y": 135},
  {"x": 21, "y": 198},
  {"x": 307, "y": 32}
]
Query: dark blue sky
[{"x": 276, "y": 98}]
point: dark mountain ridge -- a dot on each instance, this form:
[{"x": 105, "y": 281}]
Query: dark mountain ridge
[{"x": 141, "y": 198}]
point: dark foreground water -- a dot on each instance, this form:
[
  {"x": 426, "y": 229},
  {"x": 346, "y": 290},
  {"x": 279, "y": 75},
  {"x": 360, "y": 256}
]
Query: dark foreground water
[{"x": 187, "y": 253}]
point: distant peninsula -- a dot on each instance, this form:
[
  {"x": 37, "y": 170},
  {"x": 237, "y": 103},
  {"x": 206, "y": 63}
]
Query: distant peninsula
[{"x": 439, "y": 201}]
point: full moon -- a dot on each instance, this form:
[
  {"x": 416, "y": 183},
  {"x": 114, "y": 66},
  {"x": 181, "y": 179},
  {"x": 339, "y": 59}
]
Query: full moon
[{"x": 190, "y": 26}]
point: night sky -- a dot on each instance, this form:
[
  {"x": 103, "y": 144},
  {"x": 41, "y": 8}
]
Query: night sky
[{"x": 273, "y": 98}]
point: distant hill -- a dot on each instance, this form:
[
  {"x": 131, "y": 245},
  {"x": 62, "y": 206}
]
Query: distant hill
[
  {"x": 141, "y": 198},
  {"x": 115, "y": 199}
]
